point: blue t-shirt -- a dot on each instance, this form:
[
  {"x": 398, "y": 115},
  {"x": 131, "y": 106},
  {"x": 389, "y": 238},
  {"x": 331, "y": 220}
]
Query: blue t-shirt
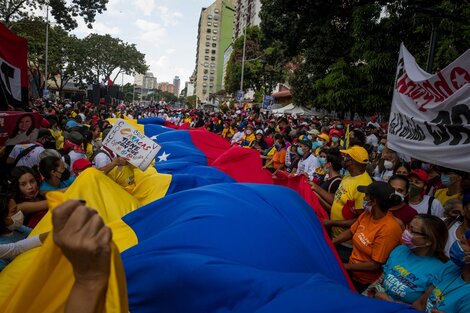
[
  {"x": 63, "y": 184},
  {"x": 407, "y": 276},
  {"x": 18, "y": 234},
  {"x": 451, "y": 293}
]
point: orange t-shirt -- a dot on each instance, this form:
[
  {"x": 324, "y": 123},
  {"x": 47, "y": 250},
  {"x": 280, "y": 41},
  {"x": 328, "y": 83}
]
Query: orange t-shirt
[
  {"x": 279, "y": 158},
  {"x": 373, "y": 240}
]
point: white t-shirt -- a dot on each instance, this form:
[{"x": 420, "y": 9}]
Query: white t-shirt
[
  {"x": 422, "y": 207},
  {"x": 372, "y": 140},
  {"x": 237, "y": 137},
  {"x": 74, "y": 156},
  {"x": 29, "y": 160},
  {"x": 308, "y": 166},
  {"x": 452, "y": 236},
  {"x": 102, "y": 159}
]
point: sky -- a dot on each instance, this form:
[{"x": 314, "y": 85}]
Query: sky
[{"x": 164, "y": 30}]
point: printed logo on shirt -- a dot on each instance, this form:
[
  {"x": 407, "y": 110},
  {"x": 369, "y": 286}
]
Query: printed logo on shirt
[
  {"x": 399, "y": 280},
  {"x": 436, "y": 299}
]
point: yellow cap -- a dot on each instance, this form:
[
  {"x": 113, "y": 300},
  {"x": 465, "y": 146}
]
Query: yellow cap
[
  {"x": 324, "y": 137},
  {"x": 358, "y": 154}
]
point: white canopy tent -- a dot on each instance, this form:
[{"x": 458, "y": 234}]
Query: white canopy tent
[{"x": 294, "y": 109}]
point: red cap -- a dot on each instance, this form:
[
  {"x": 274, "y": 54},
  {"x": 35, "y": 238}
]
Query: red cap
[
  {"x": 80, "y": 165},
  {"x": 421, "y": 174}
]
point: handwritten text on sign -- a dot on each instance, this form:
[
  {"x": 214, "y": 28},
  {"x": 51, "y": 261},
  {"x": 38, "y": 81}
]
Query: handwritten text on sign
[{"x": 131, "y": 144}]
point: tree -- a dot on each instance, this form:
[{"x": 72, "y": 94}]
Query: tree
[
  {"x": 191, "y": 101},
  {"x": 344, "y": 53},
  {"x": 262, "y": 69},
  {"x": 104, "y": 54},
  {"x": 65, "y": 12}
]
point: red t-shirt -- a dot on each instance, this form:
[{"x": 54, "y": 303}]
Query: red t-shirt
[
  {"x": 269, "y": 141},
  {"x": 405, "y": 214}
]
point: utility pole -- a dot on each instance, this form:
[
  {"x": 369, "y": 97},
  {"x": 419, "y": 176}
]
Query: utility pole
[
  {"x": 47, "y": 49},
  {"x": 243, "y": 57}
]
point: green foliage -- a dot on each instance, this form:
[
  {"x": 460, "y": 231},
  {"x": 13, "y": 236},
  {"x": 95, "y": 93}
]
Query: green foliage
[
  {"x": 191, "y": 101},
  {"x": 263, "y": 67},
  {"x": 64, "y": 12},
  {"x": 342, "y": 54}
]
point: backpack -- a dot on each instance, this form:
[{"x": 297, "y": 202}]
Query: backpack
[{"x": 93, "y": 156}]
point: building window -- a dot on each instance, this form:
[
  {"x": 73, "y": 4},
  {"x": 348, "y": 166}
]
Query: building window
[
  {"x": 206, "y": 58},
  {"x": 216, "y": 18},
  {"x": 208, "y": 37},
  {"x": 216, "y": 11},
  {"x": 212, "y": 65},
  {"x": 214, "y": 31},
  {"x": 209, "y": 30},
  {"x": 211, "y": 78},
  {"x": 209, "y": 23},
  {"x": 212, "y": 58},
  {"x": 204, "y": 91},
  {"x": 214, "y": 37},
  {"x": 213, "y": 45},
  {"x": 212, "y": 72},
  {"x": 205, "y": 71},
  {"x": 214, "y": 51},
  {"x": 208, "y": 44},
  {"x": 209, "y": 17},
  {"x": 205, "y": 77},
  {"x": 216, "y": 24},
  {"x": 206, "y": 64},
  {"x": 204, "y": 85},
  {"x": 207, "y": 51}
]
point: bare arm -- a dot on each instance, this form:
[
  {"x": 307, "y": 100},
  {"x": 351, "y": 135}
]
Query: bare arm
[
  {"x": 109, "y": 167},
  {"x": 344, "y": 224},
  {"x": 344, "y": 236},
  {"x": 32, "y": 207},
  {"x": 371, "y": 266}
]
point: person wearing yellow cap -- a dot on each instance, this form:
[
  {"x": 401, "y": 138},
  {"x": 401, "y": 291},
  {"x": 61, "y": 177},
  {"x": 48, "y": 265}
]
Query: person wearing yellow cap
[
  {"x": 323, "y": 140},
  {"x": 348, "y": 202}
]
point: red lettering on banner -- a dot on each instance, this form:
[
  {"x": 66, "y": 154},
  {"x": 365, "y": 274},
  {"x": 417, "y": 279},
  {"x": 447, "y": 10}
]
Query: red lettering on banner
[
  {"x": 404, "y": 83},
  {"x": 459, "y": 77},
  {"x": 430, "y": 88},
  {"x": 442, "y": 85}
]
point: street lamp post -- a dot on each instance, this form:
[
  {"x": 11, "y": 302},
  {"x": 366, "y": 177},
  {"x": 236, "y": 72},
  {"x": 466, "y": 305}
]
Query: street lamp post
[
  {"x": 243, "y": 57},
  {"x": 47, "y": 49}
]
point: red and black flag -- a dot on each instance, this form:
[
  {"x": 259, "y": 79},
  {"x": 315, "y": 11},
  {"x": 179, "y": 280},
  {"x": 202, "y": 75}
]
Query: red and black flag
[{"x": 13, "y": 69}]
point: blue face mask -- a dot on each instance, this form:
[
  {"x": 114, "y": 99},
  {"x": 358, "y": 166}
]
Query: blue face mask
[
  {"x": 457, "y": 254},
  {"x": 334, "y": 139},
  {"x": 380, "y": 148},
  {"x": 300, "y": 151},
  {"x": 320, "y": 143},
  {"x": 322, "y": 161},
  {"x": 343, "y": 172},
  {"x": 446, "y": 180},
  {"x": 315, "y": 145}
]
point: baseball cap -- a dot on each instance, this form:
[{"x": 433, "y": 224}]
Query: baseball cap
[
  {"x": 313, "y": 132},
  {"x": 80, "y": 165},
  {"x": 306, "y": 142},
  {"x": 260, "y": 131},
  {"x": 324, "y": 137},
  {"x": 75, "y": 137},
  {"x": 378, "y": 189},
  {"x": 358, "y": 154},
  {"x": 421, "y": 174}
]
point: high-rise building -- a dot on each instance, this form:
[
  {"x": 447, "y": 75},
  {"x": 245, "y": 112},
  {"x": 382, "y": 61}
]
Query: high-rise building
[
  {"x": 189, "y": 86},
  {"x": 147, "y": 81},
  {"x": 215, "y": 31},
  {"x": 163, "y": 86},
  {"x": 176, "y": 83},
  {"x": 247, "y": 13}
]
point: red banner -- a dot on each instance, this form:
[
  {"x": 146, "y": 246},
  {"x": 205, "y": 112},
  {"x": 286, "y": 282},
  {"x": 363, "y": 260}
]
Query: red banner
[{"x": 13, "y": 69}]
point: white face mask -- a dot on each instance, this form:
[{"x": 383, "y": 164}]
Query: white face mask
[
  {"x": 388, "y": 165},
  {"x": 367, "y": 206},
  {"x": 17, "y": 219}
]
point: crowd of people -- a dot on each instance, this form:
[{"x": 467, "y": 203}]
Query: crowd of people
[{"x": 401, "y": 226}]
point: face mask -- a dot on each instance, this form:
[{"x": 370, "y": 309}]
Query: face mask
[
  {"x": 407, "y": 240},
  {"x": 457, "y": 254},
  {"x": 315, "y": 145},
  {"x": 402, "y": 196},
  {"x": 367, "y": 206},
  {"x": 249, "y": 132},
  {"x": 334, "y": 139},
  {"x": 414, "y": 190},
  {"x": 309, "y": 137},
  {"x": 320, "y": 143},
  {"x": 426, "y": 167},
  {"x": 17, "y": 219},
  {"x": 300, "y": 151},
  {"x": 344, "y": 172},
  {"x": 388, "y": 165},
  {"x": 446, "y": 180},
  {"x": 380, "y": 148},
  {"x": 322, "y": 161},
  {"x": 339, "y": 126},
  {"x": 65, "y": 175}
]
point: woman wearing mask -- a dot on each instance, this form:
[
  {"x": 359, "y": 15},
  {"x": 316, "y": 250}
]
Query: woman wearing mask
[
  {"x": 402, "y": 168},
  {"x": 25, "y": 190},
  {"x": 277, "y": 162},
  {"x": 374, "y": 235},
  {"x": 331, "y": 164},
  {"x": 412, "y": 266},
  {"x": 422, "y": 203},
  {"x": 322, "y": 141},
  {"x": 402, "y": 211},
  {"x": 459, "y": 224},
  {"x": 450, "y": 290},
  {"x": 55, "y": 174}
]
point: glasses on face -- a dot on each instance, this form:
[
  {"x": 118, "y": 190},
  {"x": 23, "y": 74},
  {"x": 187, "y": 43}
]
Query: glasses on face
[{"x": 416, "y": 233}]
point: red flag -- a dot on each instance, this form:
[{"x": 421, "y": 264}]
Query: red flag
[
  {"x": 300, "y": 184},
  {"x": 13, "y": 68},
  {"x": 243, "y": 165}
]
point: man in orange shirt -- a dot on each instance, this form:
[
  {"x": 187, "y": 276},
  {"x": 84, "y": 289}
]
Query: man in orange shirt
[{"x": 374, "y": 235}]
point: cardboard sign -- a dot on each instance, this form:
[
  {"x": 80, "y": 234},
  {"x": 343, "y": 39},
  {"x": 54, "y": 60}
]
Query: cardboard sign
[
  {"x": 18, "y": 127},
  {"x": 129, "y": 143}
]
